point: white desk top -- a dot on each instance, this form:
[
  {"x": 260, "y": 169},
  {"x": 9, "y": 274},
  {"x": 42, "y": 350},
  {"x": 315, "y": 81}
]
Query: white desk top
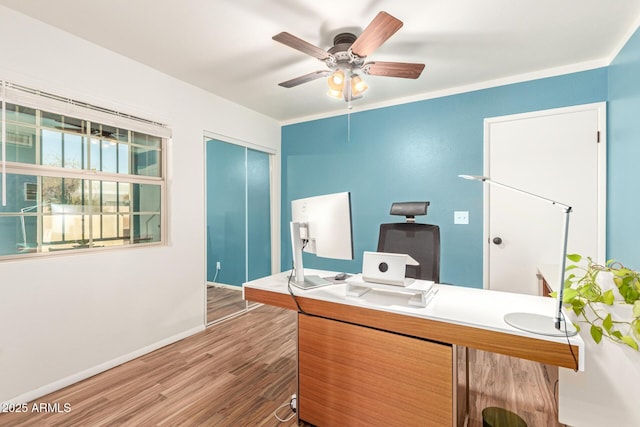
[{"x": 477, "y": 308}]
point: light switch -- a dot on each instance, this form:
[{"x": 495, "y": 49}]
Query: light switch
[{"x": 461, "y": 217}]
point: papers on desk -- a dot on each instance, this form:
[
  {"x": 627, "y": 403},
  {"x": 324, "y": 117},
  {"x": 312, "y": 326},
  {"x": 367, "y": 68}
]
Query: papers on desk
[{"x": 421, "y": 291}]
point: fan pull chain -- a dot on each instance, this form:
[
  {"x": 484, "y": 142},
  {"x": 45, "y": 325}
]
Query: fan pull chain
[{"x": 349, "y": 107}]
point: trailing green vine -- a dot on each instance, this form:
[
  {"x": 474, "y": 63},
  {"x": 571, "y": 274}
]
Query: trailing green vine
[{"x": 583, "y": 292}]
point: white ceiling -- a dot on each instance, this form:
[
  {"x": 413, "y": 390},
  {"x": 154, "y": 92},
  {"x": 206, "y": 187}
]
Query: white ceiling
[{"x": 225, "y": 46}]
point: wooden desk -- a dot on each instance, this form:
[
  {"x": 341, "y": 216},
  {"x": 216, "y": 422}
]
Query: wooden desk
[{"x": 375, "y": 359}]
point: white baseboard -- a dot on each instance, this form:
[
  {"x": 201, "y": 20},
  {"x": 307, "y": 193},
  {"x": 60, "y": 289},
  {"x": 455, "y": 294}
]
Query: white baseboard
[
  {"x": 72, "y": 379},
  {"x": 223, "y": 285}
]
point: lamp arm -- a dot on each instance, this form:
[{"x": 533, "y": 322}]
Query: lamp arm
[
  {"x": 565, "y": 230},
  {"x": 499, "y": 184}
]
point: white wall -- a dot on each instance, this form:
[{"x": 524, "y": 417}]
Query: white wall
[
  {"x": 68, "y": 316},
  {"x": 605, "y": 393}
]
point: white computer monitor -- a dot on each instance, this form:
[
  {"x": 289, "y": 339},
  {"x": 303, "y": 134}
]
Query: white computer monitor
[{"x": 320, "y": 225}]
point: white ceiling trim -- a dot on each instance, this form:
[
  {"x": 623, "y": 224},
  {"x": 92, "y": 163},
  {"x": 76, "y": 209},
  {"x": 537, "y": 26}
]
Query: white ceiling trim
[
  {"x": 551, "y": 72},
  {"x": 623, "y": 41}
]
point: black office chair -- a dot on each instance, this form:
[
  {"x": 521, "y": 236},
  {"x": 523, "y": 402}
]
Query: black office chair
[{"x": 420, "y": 241}]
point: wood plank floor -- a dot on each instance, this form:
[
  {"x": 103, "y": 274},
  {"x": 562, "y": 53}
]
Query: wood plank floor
[
  {"x": 237, "y": 372},
  {"x": 223, "y": 302},
  {"x": 519, "y": 385}
]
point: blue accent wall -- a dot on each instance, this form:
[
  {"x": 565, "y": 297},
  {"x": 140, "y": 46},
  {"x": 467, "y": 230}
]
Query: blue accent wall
[
  {"x": 414, "y": 152},
  {"x": 623, "y": 160}
]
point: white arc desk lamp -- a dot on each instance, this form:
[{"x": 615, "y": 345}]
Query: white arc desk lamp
[{"x": 534, "y": 322}]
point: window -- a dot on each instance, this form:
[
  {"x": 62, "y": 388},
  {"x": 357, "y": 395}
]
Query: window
[{"x": 77, "y": 177}]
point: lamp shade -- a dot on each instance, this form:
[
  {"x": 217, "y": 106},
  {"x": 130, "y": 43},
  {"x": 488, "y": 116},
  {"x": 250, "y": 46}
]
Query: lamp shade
[
  {"x": 336, "y": 80},
  {"x": 358, "y": 86},
  {"x": 334, "y": 93}
]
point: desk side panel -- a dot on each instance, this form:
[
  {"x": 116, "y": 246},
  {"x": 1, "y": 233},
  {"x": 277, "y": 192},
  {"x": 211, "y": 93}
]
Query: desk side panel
[{"x": 353, "y": 375}]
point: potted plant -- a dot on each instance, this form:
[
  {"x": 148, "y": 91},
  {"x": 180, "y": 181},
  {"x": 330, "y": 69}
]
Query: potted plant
[{"x": 606, "y": 297}]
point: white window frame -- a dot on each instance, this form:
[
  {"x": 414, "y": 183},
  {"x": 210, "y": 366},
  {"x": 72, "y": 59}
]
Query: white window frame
[{"x": 39, "y": 100}]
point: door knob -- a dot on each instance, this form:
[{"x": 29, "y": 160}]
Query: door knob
[{"x": 497, "y": 240}]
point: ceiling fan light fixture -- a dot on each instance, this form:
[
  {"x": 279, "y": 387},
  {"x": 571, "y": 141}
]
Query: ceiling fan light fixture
[
  {"x": 336, "y": 80},
  {"x": 358, "y": 86}
]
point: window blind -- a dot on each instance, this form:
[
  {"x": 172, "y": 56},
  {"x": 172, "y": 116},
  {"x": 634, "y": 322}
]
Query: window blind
[{"x": 37, "y": 99}]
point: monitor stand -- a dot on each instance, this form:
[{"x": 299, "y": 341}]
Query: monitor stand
[
  {"x": 311, "y": 282},
  {"x": 301, "y": 280}
]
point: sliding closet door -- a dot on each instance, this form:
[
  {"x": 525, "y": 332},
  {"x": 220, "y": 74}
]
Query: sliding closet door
[
  {"x": 226, "y": 213},
  {"x": 238, "y": 194},
  {"x": 258, "y": 215}
]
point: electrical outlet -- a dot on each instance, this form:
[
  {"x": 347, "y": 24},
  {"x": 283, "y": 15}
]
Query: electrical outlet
[
  {"x": 461, "y": 217},
  {"x": 293, "y": 403},
  {"x": 218, "y": 267}
]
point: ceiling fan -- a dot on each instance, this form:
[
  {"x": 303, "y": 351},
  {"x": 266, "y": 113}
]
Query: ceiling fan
[{"x": 346, "y": 59}]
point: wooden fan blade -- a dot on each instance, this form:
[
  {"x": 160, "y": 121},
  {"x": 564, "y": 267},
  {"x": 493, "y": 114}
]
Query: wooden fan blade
[
  {"x": 393, "y": 69},
  {"x": 304, "y": 79},
  {"x": 377, "y": 32},
  {"x": 301, "y": 45}
]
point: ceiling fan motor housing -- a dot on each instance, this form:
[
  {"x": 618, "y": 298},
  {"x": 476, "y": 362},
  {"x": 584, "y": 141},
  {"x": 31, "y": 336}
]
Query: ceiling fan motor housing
[
  {"x": 341, "y": 57},
  {"x": 344, "y": 38}
]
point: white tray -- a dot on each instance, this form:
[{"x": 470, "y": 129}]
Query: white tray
[{"x": 422, "y": 291}]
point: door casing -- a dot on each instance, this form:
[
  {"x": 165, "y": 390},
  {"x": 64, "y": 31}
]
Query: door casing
[{"x": 553, "y": 160}]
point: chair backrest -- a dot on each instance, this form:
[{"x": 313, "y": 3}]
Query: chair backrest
[{"x": 421, "y": 241}]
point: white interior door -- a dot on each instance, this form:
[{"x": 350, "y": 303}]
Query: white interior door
[{"x": 557, "y": 154}]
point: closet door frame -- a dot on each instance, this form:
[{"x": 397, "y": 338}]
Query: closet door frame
[{"x": 274, "y": 198}]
